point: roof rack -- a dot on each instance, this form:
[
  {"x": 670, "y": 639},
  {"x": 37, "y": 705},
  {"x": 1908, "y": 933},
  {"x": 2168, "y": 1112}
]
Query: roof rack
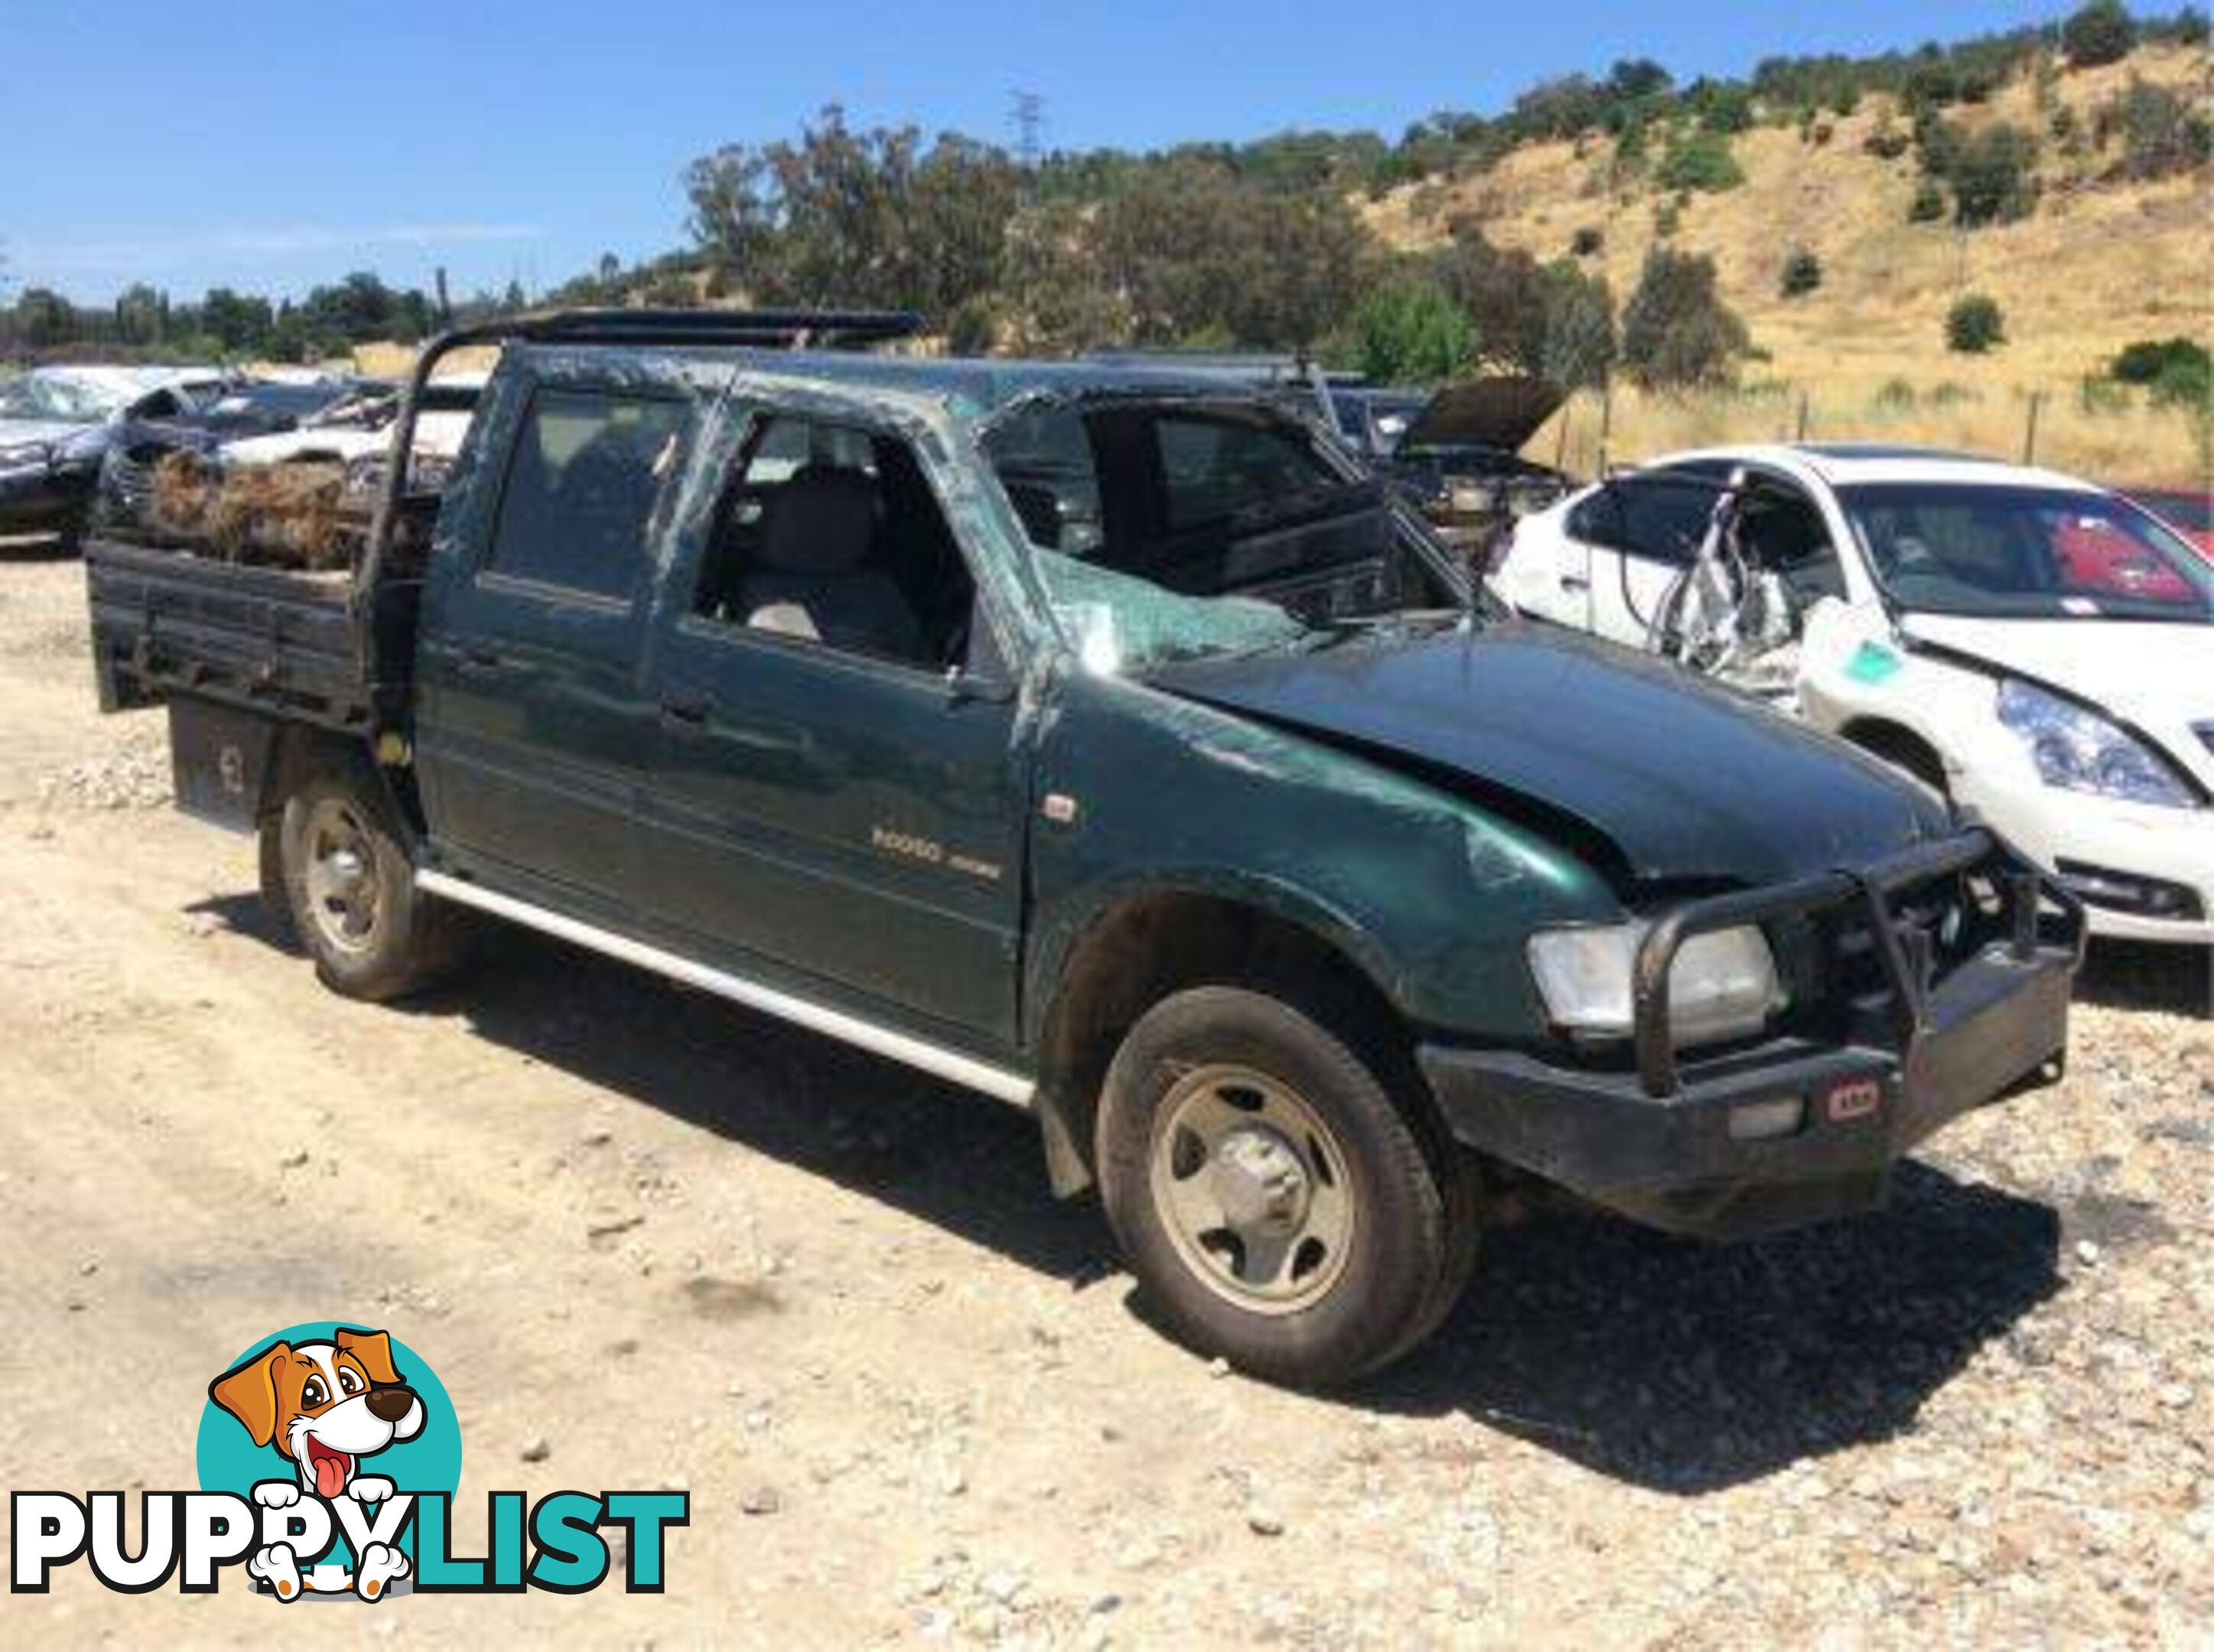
[
  {"x": 785, "y": 328},
  {"x": 779, "y": 329}
]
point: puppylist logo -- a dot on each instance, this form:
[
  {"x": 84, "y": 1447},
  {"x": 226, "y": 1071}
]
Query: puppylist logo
[{"x": 328, "y": 1458}]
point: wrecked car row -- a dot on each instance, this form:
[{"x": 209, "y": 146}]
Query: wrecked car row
[
  {"x": 300, "y": 494},
  {"x": 282, "y": 468},
  {"x": 1107, "y": 740},
  {"x": 57, "y": 426},
  {"x": 2038, "y": 651}
]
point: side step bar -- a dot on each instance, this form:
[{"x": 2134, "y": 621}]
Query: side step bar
[{"x": 935, "y": 1059}]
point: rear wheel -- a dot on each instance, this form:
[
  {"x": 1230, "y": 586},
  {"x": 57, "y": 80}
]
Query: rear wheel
[
  {"x": 1279, "y": 1209},
  {"x": 349, "y": 885}
]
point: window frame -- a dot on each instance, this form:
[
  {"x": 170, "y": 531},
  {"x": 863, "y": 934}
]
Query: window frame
[
  {"x": 755, "y": 418},
  {"x": 489, "y": 576}
]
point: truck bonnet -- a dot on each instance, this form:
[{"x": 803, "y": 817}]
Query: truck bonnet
[{"x": 1690, "y": 783}]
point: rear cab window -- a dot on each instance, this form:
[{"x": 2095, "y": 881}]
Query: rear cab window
[
  {"x": 1172, "y": 528},
  {"x": 1218, "y": 470},
  {"x": 584, "y": 483}
]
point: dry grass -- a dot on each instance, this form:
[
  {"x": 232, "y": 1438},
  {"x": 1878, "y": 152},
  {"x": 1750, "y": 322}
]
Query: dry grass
[
  {"x": 2097, "y": 265},
  {"x": 2135, "y": 443},
  {"x": 396, "y": 361}
]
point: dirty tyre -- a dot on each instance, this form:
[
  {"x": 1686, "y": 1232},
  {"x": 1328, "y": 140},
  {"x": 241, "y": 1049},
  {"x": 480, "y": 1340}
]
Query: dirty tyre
[
  {"x": 1279, "y": 1209},
  {"x": 349, "y": 891}
]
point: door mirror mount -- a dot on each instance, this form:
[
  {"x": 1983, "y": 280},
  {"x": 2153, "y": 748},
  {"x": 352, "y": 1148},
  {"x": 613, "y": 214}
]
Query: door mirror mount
[{"x": 964, "y": 685}]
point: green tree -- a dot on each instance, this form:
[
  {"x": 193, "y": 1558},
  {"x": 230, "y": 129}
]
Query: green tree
[
  {"x": 140, "y": 315},
  {"x": 1298, "y": 265},
  {"x": 1990, "y": 172},
  {"x": 1580, "y": 344},
  {"x": 1057, "y": 294},
  {"x": 2147, "y": 359},
  {"x": 238, "y": 322},
  {"x": 1975, "y": 324},
  {"x": 1501, "y": 291},
  {"x": 1698, "y": 160},
  {"x": 2162, "y": 132},
  {"x": 1193, "y": 256},
  {"x": 848, "y": 216},
  {"x": 2101, "y": 31},
  {"x": 1409, "y": 331},
  {"x": 959, "y": 203},
  {"x": 44, "y": 318},
  {"x": 1677, "y": 333}
]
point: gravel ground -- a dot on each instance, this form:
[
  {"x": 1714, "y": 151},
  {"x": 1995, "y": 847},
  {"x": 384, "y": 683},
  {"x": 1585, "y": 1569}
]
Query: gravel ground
[{"x": 649, "y": 1240}]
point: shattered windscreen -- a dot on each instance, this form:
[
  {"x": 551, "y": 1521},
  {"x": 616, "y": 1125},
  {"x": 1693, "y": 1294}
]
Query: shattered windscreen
[
  {"x": 47, "y": 396},
  {"x": 1122, "y": 624}
]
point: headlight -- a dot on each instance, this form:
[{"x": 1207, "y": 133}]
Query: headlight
[
  {"x": 2078, "y": 751},
  {"x": 1723, "y": 984},
  {"x": 22, "y": 455}
]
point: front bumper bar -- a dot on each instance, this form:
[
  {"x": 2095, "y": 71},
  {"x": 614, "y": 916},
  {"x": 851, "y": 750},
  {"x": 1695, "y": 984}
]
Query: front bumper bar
[{"x": 1666, "y": 1145}]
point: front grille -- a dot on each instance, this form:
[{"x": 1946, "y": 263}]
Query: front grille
[
  {"x": 1840, "y": 984},
  {"x": 1881, "y": 941}
]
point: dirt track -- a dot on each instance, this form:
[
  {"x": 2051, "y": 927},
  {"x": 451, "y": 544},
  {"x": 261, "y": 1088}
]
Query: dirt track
[{"x": 681, "y": 1245}]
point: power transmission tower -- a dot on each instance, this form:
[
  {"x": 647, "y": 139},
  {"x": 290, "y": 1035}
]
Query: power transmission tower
[{"x": 1030, "y": 123}]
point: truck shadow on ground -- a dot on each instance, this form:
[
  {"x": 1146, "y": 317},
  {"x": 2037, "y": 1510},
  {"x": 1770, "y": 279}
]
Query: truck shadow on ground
[
  {"x": 2139, "y": 976},
  {"x": 1685, "y": 1367},
  {"x": 1665, "y": 1363}
]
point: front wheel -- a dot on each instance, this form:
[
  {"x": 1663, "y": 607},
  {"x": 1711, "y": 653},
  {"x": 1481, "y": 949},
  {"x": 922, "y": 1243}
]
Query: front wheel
[
  {"x": 349, "y": 885},
  {"x": 1278, "y": 1207}
]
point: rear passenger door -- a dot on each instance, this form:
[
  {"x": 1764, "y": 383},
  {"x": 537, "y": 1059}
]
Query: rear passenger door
[
  {"x": 1642, "y": 531},
  {"x": 534, "y": 731}
]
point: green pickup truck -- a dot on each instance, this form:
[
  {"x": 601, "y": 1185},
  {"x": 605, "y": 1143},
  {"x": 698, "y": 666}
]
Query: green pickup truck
[{"x": 1111, "y": 743}]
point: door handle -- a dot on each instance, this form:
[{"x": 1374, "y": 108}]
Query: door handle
[
  {"x": 478, "y": 660},
  {"x": 1575, "y": 582},
  {"x": 687, "y": 713}
]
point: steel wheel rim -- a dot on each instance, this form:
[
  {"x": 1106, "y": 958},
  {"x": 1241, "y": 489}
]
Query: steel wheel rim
[
  {"x": 341, "y": 875},
  {"x": 1253, "y": 1187}
]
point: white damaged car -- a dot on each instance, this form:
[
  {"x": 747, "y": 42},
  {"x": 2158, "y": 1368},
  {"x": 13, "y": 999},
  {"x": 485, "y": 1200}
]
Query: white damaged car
[{"x": 2040, "y": 649}]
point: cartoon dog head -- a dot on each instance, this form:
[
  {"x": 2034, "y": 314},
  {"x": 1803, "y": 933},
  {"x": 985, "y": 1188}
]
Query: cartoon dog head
[{"x": 325, "y": 1406}]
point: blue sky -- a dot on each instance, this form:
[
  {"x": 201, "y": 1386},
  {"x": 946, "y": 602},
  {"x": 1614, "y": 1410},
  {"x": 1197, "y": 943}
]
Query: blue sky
[{"x": 271, "y": 147}]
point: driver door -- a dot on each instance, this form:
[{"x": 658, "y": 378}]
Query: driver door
[{"x": 840, "y": 787}]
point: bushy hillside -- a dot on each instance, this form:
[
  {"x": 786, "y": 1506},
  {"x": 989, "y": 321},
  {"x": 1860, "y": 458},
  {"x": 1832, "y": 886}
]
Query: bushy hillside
[{"x": 2097, "y": 262}]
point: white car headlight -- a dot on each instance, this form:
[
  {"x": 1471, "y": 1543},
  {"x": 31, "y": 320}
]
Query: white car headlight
[
  {"x": 2077, "y": 749},
  {"x": 1723, "y": 984}
]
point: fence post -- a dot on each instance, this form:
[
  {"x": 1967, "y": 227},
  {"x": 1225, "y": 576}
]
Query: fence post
[
  {"x": 2029, "y": 435},
  {"x": 1560, "y": 444},
  {"x": 1801, "y": 436},
  {"x": 1606, "y": 426}
]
